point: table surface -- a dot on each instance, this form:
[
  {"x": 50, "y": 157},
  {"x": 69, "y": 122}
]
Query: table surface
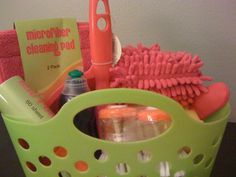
[{"x": 224, "y": 165}]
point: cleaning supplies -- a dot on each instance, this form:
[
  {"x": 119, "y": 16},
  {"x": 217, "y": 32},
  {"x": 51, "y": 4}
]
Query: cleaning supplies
[
  {"x": 20, "y": 101},
  {"x": 127, "y": 123},
  {"x": 53, "y": 46},
  {"x": 100, "y": 44},
  {"x": 75, "y": 85},
  {"x": 173, "y": 74},
  {"x": 11, "y": 64}
]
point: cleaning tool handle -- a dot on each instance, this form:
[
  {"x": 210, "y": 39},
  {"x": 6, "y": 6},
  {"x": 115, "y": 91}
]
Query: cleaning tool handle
[{"x": 100, "y": 33}]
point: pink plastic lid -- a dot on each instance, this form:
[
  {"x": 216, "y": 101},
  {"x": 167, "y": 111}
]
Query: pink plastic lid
[
  {"x": 117, "y": 111},
  {"x": 153, "y": 115}
]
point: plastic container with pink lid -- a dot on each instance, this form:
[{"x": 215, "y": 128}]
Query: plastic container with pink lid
[
  {"x": 152, "y": 122},
  {"x": 116, "y": 123}
]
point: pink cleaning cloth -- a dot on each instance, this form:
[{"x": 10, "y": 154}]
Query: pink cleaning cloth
[
  {"x": 10, "y": 66},
  {"x": 83, "y": 29},
  {"x": 10, "y": 60},
  {"x": 87, "y": 61},
  {"x": 9, "y": 46}
]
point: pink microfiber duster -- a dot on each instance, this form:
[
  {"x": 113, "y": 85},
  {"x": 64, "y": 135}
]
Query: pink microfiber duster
[{"x": 174, "y": 74}]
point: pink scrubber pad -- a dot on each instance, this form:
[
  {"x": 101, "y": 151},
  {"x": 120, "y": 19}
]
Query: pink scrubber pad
[
  {"x": 210, "y": 102},
  {"x": 174, "y": 74}
]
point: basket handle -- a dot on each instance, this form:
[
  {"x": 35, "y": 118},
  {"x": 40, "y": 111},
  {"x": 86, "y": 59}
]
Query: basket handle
[{"x": 124, "y": 95}]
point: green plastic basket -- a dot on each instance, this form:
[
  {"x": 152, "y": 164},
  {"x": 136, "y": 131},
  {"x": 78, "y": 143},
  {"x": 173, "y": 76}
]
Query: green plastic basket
[{"x": 35, "y": 144}]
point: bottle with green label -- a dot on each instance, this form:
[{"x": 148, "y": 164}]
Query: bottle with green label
[{"x": 74, "y": 85}]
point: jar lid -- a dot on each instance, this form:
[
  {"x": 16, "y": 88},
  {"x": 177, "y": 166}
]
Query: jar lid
[
  {"x": 117, "y": 111},
  {"x": 153, "y": 114}
]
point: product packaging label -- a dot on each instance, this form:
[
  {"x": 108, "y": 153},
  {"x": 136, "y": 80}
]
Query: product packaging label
[{"x": 49, "y": 50}]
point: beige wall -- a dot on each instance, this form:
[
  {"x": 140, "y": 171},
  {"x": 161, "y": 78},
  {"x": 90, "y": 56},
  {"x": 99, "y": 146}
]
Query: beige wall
[{"x": 204, "y": 27}]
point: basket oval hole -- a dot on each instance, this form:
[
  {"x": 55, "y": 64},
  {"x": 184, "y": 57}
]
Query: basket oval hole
[
  {"x": 180, "y": 174},
  {"x": 122, "y": 169},
  {"x": 131, "y": 122},
  {"x": 101, "y": 155},
  {"x": 44, "y": 160},
  {"x": 144, "y": 156},
  {"x": 64, "y": 173},
  {"x": 164, "y": 168},
  {"x": 81, "y": 166},
  {"x": 60, "y": 151},
  {"x": 198, "y": 159},
  {"x": 23, "y": 143},
  {"x": 184, "y": 152},
  {"x": 31, "y": 166}
]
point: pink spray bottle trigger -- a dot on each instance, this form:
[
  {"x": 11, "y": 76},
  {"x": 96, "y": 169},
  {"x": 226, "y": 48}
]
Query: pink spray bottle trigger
[{"x": 100, "y": 44}]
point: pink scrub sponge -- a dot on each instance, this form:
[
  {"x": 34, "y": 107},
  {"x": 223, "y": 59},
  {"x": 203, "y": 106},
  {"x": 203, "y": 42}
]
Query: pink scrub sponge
[{"x": 210, "y": 102}]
